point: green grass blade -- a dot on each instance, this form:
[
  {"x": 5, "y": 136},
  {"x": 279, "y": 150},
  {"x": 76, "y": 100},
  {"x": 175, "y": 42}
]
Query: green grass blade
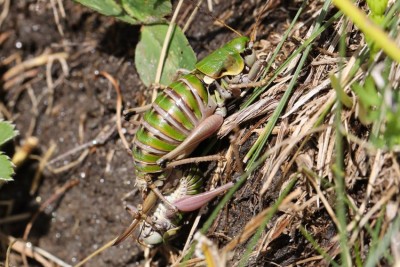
[
  {"x": 273, "y": 57},
  {"x": 225, "y": 200},
  {"x": 256, "y": 149},
  {"x": 300, "y": 49},
  {"x": 338, "y": 168}
]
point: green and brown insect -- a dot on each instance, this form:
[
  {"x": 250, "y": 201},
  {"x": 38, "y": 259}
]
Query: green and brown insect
[
  {"x": 190, "y": 110},
  {"x": 187, "y": 112}
]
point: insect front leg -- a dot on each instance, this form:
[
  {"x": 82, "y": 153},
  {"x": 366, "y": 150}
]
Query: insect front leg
[
  {"x": 249, "y": 80},
  {"x": 154, "y": 182}
]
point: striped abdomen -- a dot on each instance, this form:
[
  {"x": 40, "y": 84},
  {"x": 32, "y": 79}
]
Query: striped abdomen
[{"x": 176, "y": 111}]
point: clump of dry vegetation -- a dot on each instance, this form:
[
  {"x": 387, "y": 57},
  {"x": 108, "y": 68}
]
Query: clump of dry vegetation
[{"x": 313, "y": 152}]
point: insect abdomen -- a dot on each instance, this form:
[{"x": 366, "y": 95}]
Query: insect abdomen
[
  {"x": 176, "y": 111},
  {"x": 163, "y": 220}
]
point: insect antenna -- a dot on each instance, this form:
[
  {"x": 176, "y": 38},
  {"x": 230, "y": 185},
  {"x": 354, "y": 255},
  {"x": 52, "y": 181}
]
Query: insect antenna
[
  {"x": 148, "y": 204},
  {"x": 253, "y": 31},
  {"x": 128, "y": 231},
  {"x": 199, "y": 9}
]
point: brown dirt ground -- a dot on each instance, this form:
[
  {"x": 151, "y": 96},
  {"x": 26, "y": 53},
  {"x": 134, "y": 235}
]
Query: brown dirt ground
[{"x": 92, "y": 212}]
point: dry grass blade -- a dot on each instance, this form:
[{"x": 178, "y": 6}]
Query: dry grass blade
[
  {"x": 95, "y": 253},
  {"x": 71, "y": 164},
  {"x": 164, "y": 49},
  {"x": 7, "y": 264},
  {"x": 3, "y": 37},
  {"x": 59, "y": 192},
  {"x": 42, "y": 164},
  {"x": 118, "y": 108},
  {"x": 56, "y": 16},
  {"x": 56, "y": 195},
  {"x": 100, "y": 139},
  {"x": 192, "y": 15},
  {"x": 321, "y": 196},
  {"x": 49, "y": 79},
  {"x": 5, "y": 11},
  {"x": 15, "y": 218},
  {"x": 25, "y": 150},
  {"x": 31, "y": 63},
  {"x": 36, "y": 253},
  {"x": 289, "y": 144},
  {"x": 17, "y": 80},
  {"x": 189, "y": 239}
]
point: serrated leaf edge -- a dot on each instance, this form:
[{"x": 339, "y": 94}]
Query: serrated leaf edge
[
  {"x": 15, "y": 132},
  {"x": 2, "y": 179}
]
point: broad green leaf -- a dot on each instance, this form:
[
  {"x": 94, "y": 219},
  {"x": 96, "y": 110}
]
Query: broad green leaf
[
  {"x": 180, "y": 54},
  {"x": 147, "y": 11},
  {"x": 6, "y": 168},
  {"x": 7, "y": 131},
  {"x": 109, "y": 8}
]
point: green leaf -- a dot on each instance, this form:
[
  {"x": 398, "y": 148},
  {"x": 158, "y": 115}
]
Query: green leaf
[
  {"x": 7, "y": 131},
  {"x": 109, "y": 8},
  {"x": 6, "y": 168},
  {"x": 147, "y": 11},
  {"x": 180, "y": 54},
  {"x": 377, "y": 7}
]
